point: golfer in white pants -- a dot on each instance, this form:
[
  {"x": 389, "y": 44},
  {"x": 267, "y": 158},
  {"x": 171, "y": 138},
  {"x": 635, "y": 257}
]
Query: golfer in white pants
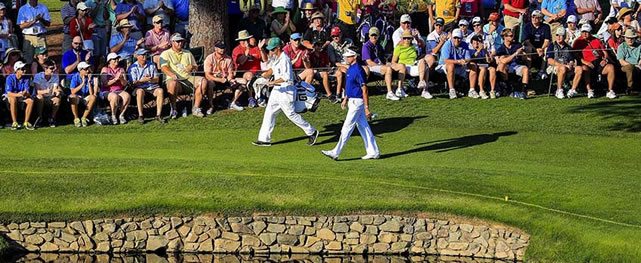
[
  {"x": 282, "y": 96},
  {"x": 357, "y": 101}
]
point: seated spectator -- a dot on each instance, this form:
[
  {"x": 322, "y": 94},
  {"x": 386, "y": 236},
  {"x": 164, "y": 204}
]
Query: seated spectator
[
  {"x": 572, "y": 32},
  {"x": 562, "y": 62},
  {"x": 454, "y": 61},
  {"x": 11, "y": 57},
  {"x": 299, "y": 55},
  {"x": 247, "y": 57},
  {"x": 82, "y": 25},
  {"x": 143, "y": 77},
  {"x": 372, "y": 55},
  {"x": 282, "y": 25},
  {"x": 537, "y": 36},
  {"x": 629, "y": 55},
  {"x": 33, "y": 19},
  {"x": 594, "y": 60},
  {"x": 71, "y": 58},
  {"x": 463, "y": 25},
  {"x": 319, "y": 60},
  {"x": 83, "y": 90},
  {"x": 435, "y": 41},
  {"x": 38, "y": 64},
  {"x": 134, "y": 13},
  {"x": 486, "y": 63},
  {"x": 157, "y": 39},
  {"x": 254, "y": 24},
  {"x": 123, "y": 42},
  {"x": 48, "y": 91},
  {"x": 627, "y": 21},
  {"x": 616, "y": 36},
  {"x": 113, "y": 80},
  {"x": 8, "y": 38},
  {"x": 178, "y": 65},
  {"x": 406, "y": 25},
  {"x": 18, "y": 92},
  {"x": 512, "y": 59},
  {"x": 477, "y": 30},
  {"x": 220, "y": 73},
  {"x": 317, "y": 32},
  {"x": 406, "y": 54},
  {"x": 335, "y": 51}
]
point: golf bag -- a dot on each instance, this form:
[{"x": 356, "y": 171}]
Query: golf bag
[{"x": 305, "y": 98}]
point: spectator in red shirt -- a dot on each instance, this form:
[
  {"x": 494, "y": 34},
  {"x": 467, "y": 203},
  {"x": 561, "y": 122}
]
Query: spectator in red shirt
[
  {"x": 594, "y": 58},
  {"x": 299, "y": 56},
  {"x": 82, "y": 25},
  {"x": 319, "y": 59},
  {"x": 512, "y": 10}
]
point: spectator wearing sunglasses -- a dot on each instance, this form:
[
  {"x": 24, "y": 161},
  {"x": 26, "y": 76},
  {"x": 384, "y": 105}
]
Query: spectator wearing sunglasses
[
  {"x": 406, "y": 25},
  {"x": 157, "y": 39}
]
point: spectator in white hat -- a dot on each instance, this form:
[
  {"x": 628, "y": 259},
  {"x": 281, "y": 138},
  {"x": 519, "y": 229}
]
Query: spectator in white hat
[
  {"x": 595, "y": 60},
  {"x": 83, "y": 90},
  {"x": 477, "y": 29},
  {"x": 562, "y": 62},
  {"x": 406, "y": 25},
  {"x": 572, "y": 32},
  {"x": 18, "y": 91},
  {"x": 113, "y": 80},
  {"x": 454, "y": 61},
  {"x": 82, "y": 25},
  {"x": 464, "y": 25}
]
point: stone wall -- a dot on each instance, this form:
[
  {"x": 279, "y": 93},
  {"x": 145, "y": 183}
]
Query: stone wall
[{"x": 262, "y": 235}]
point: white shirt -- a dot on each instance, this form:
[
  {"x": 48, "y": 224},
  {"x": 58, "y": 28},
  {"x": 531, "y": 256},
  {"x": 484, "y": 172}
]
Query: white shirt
[
  {"x": 42, "y": 83},
  {"x": 28, "y": 13},
  {"x": 398, "y": 35},
  {"x": 282, "y": 69}
]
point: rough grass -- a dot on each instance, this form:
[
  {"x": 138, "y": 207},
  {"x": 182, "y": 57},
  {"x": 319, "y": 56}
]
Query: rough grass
[{"x": 569, "y": 169}]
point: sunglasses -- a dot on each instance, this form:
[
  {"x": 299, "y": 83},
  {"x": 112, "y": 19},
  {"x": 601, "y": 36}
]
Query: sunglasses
[
  {"x": 457, "y": 38},
  {"x": 51, "y": 68},
  {"x": 374, "y": 35},
  {"x": 406, "y": 22},
  {"x": 77, "y": 43},
  {"x": 158, "y": 22},
  {"x": 475, "y": 25},
  {"x": 438, "y": 25},
  {"x": 408, "y": 38}
]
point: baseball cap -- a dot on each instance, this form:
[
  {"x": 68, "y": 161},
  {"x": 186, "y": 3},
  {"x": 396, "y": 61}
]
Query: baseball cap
[
  {"x": 478, "y": 38},
  {"x": 81, "y": 6},
  {"x": 439, "y": 21},
  {"x": 406, "y": 18},
  {"x": 177, "y": 37},
  {"x": 494, "y": 16},
  {"x": 295, "y": 36},
  {"x": 157, "y": 18},
  {"x": 571, "y": 19},
  {"x": 83, "y": 65},
  {"x": 18, "y": 65},
  {"x": 2, "y": 6},
  {"x": 374, "y": 31},
  {"x": 560, "y": 31},
  {"x": 40, "y": 50},
  {"x": 349, "y": 53},
  {"x": 112, "y": 56},
  {"x": 273, "y": 43},
  {"x": 537, "y": 13},
  {"x": 457, "y": 33},
  {"x": 476, "y": 20},
  {"x": 586, "y": 28},
  {"x": 407, "y": 33},
  {"x": 336, "y": 31},
  {"x": 463, "y": 22},
  {"x": 141, "y": 52},
  {"x": 220, "y": 45}
]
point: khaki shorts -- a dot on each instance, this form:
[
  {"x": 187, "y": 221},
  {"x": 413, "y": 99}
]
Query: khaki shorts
[{"x": 510, "y": 21}]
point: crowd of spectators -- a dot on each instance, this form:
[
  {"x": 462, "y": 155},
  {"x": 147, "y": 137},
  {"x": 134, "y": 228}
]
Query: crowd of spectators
[{"x": 119, "y": 51}]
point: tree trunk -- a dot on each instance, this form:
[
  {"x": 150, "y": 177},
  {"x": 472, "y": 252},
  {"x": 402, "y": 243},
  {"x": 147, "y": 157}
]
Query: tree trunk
[{"x": 208, "y": 23}]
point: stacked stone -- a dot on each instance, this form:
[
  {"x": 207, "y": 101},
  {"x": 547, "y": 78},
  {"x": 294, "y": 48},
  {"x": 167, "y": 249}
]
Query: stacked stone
[{"x": 264, "y": 235}]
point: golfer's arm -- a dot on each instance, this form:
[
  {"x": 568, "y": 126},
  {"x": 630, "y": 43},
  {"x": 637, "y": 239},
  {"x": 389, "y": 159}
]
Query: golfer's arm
[{"x": 365, "y": 97}]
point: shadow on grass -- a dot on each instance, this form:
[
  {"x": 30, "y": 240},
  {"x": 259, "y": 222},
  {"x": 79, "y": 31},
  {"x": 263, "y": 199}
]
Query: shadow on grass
[
  {"x": 625, "y": 112},
  {"x": 381, "y": 126},
  {"x": 452, "y": 144}
]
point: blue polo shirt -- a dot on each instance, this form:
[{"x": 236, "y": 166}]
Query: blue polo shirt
[
  {"x": 75, "y": 82},
  {"x": 181, "y": 9},
  {"x": 16, "y": 85},
  {"x": 450, "y": 52},
  {"x": 354, "y": 81},
  {"x": 137, "y": 72},
  {"x": 69, "y": 57},
  {"x": 128, "y": 49}
]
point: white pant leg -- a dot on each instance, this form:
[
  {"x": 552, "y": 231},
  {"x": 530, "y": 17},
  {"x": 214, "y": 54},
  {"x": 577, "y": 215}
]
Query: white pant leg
[
  {"x": 269, "y": 120},
  {"x": 353, "y": 110},
  {"x": 368, "y": 136},
  {"x": 288, "y": 109}
]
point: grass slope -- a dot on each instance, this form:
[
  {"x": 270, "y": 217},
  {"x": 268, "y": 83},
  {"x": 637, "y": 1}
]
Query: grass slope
[{"x": 460, "y": 157}]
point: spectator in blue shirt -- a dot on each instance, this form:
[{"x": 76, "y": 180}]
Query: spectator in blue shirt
[
  {"x": 18, "y": 91},
  {"x": 554, "y": 12},
  {"x": 143, "y": 75},
  {"x": 71, "y": 58},
  {"x": 373, "y": 57},
  {"x": 84, "y": 89},
  {"x": 124, "y": 43},
  {"x": 454, "y": 61},
  {"x": 511, "y": 58},
  {"x": 33, "y": 19}
]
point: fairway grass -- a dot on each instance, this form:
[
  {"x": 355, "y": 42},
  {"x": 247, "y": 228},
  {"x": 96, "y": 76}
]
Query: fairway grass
[{"x": 569, "y": 169}]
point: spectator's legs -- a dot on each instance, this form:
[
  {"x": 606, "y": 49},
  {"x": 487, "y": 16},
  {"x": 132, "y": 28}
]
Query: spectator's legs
[
  {"x": 423, "y": 73},
  {"x": 29, "y": 108},
  {"x": 387, "y": 71},
  {"x": 125, "y": 98},
  {"x": 55, "y": 104},
  {"x": 140, "y": 97},
  {"x": 560, "y": 76},
  {"x": 502, "y": 69},
  {"x": 629, "y": 74},
  {"x": 160, "y": 98},
  {"x": 587, "y": 78},
  {"x": 325, "y": 77},
  {"x": 482, "y": 76},
  {"x": 13, "y": 107},
  {"x": 431, "y": 61},
  {"x": 578, "y": 72},
  {"x": 113, "y": 99},
  {"x": 307, "y": 75},
  {"x": 248, "y": 76},
  {"x": 473, "y": 75},
  {"x": 492, "y": 71},
  {"x": 525, "y": 78},
  {"x": 40, "y": 105},
  {"x": 172, "y": 89},
  {"x": 73, "y": 100},
  {"x": 210, "y": 94},
  {"x": 400, "y": 68},
  {"x": 199, "y": 92},
  {"x": 451, "y": 74},
  {"x": 91, "y": 100},
  {"x": 609, "y": 72},
  {"x": 339, "y": 81}
]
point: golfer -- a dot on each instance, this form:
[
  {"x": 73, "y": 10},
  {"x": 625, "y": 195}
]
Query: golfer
[
  {"x": 282, "y": 96},
  {"x": 357, "y": 101}
]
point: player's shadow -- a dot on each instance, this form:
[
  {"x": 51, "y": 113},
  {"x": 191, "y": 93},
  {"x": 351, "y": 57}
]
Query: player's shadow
[
  {"x": 379, "y": 126},
  {"x": 452, "y": 144}
]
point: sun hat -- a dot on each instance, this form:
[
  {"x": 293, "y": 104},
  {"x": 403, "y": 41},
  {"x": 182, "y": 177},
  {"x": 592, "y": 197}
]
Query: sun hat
[
  {"x": 373, "y": 31},
  {"x": 336, "y": 31},
  {"x": 141, "y": 52},
  {"x": 477, "y": 20},
  {"x": 8, "y": 53},
  {"x": 318, "y": 14},
  {"x": 560, "y": 31},
  {"x": 308, "y": 6},
  {"x": 123, "y": 23},
  {"x": 571, "y": 19},
  {"x": 243, "y": 35},
  {"x": 177, "y": 37},
  {"x": 463, "y": 22},
  {"x": 624, "y": 11},
  {"x": 157, "y": 18},
  {"x": 2, "y": 6},
  {"x": 81, "y": 6},
  {"x": 407, "y": 33},
  {"x": 586, "y": 28},
  {"x": 278, "y": 10},
  {"x": 629, "y": 33},
  {"x": 537, "y": 13},
  {"x": 439, "y": 21},
  {"x": 296, "y": 36},
  {"x": 457, "y": 33},
  {"x": 349, "y": 53},
  {"x": 220, "y": 45},
  {"x": 273, "y": 43},
  {"x": 40, "y": 50}
]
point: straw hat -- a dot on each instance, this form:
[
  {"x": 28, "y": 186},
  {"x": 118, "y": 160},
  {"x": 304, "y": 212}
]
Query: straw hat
[{"x": 243, "y": 35}]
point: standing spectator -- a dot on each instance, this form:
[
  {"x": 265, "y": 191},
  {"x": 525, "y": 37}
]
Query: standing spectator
[
  {"x": 162, "y": 8},
  {"x": 113, "y": 80},
  {"x": 419, "y": 14},
  {"x": 178, "y": 64},
  {"x": 512, "y": 59},
  {"x": 435, "y": 41},
  {"x": 220, "y": 73},
  {"x": 124, "y": 43},
  {"x": 132, "y": 11},
  {"x": 7, "y": 37},
  {"x": 82, "y": 25},
  {"x": 346, "y": 15},
  {"x": 629, "y": 55},
  {"x": 157, "y": 39},
  {"x": 554, "y": 12},
  {"x": 47, "y": 91},
  {"x": 101, "y": 35},
  {"x": 406, "y": 25},
  {"x": 143, "y": 76},
  {"x": 33, "y": 19},
  {"x": 38, "y": 64},
  {"x": 254, "y": 24},
  {"x": 486, "y": 64},
  {"x": 17, "y": 92},
  {"x": 406, "y": 55},
  {"x": 594, "y": 60},
  {"x": 512, "y": 9},
  {"x": 282, "y": 26},
  {"x": 71, "y": 58},
  {"x": 471, "y": 8},
  {"x": 304, "y": 22},
  {"x": 12, "y": 56},
  {"x": 68, "y": 12},
  {"x": 572, "y": 32},
  {"x": 625, "y": 19},
  {"x": 372, "y": 55},
  {"x": 454, "y": 61},
  {"x": 562, "y": 62},
  {"x": 450, "y": 11},
  {"x": 335, "y": 51},
  {"x": 181, "y": 12},
  {"x": 589, "y": 10},
  {"x": 83, "y": 90},
  {"x": 537, "y": 37}
]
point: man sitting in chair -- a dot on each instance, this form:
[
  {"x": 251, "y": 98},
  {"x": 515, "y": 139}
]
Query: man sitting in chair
[
  {"x": 178, "y": 64},
  {"x": 143, "y": 76},
  {"x": 220, "y": 73}
]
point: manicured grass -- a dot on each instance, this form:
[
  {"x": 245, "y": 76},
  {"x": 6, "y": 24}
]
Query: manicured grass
[{"x": 462, "y": 157}]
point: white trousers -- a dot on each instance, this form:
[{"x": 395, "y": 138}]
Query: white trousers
[
  {"x": 274, "y": 106},
  {"x": 356, "y": 117}
]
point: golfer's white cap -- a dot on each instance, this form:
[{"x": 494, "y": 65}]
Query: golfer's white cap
[{"x": 349, "y": 53}]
